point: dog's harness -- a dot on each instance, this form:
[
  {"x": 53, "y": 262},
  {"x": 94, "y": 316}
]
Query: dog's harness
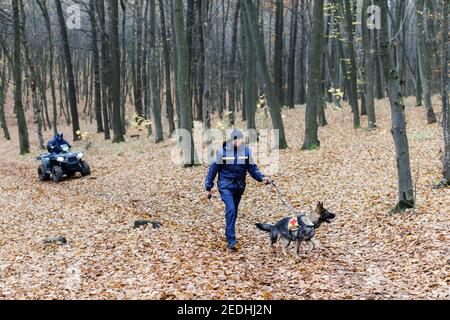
[{"x": 294, "y": 223}]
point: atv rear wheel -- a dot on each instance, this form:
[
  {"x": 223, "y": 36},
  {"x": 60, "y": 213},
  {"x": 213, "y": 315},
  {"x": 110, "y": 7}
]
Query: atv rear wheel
[
  {"x": 57, "y": 173},
  {"x": 42, "y": 174},
  {"x": 85, "y": 168}
]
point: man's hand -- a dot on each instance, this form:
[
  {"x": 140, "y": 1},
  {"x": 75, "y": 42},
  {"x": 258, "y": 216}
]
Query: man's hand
[
  {"x": 208, "y": 194},
  {"x": 266, "y": 180}
]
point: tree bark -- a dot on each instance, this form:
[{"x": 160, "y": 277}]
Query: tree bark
[
  {"x": 105, "y": 74},
  {"x": 444, "y": 93},
  {"x": 17, "y": 73},
  {"x": 292, "y": 52},
  {"x": 115, "y": 71},
  {"x": 278, "y": 52},
  {"x": 314, "y": 78},
  {"x": 138, "y": 81},
  {"x": 405, "y": 186},
  {"x": 33, "y": 81},
  {"x": 154, "y": 71},
  {"x": 4, "y": 84},
  {"x": 205, "y": 65},
  {"x": 302, "y": 58},
  {"x": 123, "y": 94},
  {"x": 250, "y": 86},
  {"x": 232, "y": 72},
  {"x": 166, "y": 56},
  {"x": 69, "y": 69},
  {"x": 182, "y": 82},
  {"x": 353, "y": 94},
  {"x": 96, "y": 67},
  {"x": 367, "y": 35},
  {"x": 424, "y": 62},
  {"x": 268, "y": 86},
  {"x": 43, "y": 6}
]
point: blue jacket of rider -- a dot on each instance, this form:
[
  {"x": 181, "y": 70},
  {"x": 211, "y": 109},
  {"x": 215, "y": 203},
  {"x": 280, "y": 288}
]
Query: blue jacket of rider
[
  {"x": 54, "y": 145},
  {"x": 232, "y": 165}
]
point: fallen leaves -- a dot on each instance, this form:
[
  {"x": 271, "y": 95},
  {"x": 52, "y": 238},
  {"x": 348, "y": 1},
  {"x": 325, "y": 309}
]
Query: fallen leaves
[{"x": 366, "y": 253}]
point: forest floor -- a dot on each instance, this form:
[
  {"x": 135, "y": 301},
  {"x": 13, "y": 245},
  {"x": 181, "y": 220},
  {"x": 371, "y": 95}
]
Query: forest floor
[{"x": 366, "y": 253}]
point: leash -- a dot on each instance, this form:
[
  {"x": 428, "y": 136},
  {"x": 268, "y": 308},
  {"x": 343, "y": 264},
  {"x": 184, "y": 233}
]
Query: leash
[
  {"x": 289, "y": 206},
  {"x": 280, "y": 196}
]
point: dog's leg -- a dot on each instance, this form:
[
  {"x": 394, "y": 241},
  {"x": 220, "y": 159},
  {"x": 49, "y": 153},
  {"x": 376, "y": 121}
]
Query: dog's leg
[
  {"x": 271, "y": 245},
  {"x": 313, "y": 245},
  {"x": 283, "y": 249},
  {"x": 285, "y": 244},
  {"x": 273, "y": 242},
  {"x": 298, "y": 246}
]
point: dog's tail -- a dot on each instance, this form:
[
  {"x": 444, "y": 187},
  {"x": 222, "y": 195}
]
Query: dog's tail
[{"x": 264, "y": 227}]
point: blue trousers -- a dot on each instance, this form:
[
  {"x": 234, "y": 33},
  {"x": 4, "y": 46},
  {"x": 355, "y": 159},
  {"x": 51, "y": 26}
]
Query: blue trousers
[{"x": 231, "y": 197}]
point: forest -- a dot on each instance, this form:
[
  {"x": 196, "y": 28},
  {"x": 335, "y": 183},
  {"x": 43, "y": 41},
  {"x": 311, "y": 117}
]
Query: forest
[{"x": 352, "y": 97}]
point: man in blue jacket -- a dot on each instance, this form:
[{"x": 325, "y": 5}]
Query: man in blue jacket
[
  {"x": 54, "y": 145},
  {"x": 232, "y": 163}
]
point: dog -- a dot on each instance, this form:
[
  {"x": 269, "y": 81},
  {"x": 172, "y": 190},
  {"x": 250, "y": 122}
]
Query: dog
[{"x": 298, "y": 229}]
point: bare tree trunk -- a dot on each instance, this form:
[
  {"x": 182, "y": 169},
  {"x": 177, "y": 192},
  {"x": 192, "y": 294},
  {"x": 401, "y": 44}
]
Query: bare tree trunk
[
  {"x": 175, "y": 64},
  {"x": 4, "y": 84},
  {"x": 419, "y": 91},
  {"x": 115, "y": 71},
  {"x": 96, "y": 66},
  {"x": 278, "y": 52},
  {"x": 182, "y": 82},
  {"x": 314, "y": 78},
  {"x": 367, "y": 35},
  {"x": 105, "y": 75},
  {"x": 154, "y": 72},
  {"x": 292, "y": 51},
  {"x": 250, "y": 86},
  {"x": 206, "y": 65},
  {"x": 139, "y": 61},
  {"x": 353, "y": 94},
  {"x": 69, "y": 68},
  {"x": 166, "y": 55},
  {"x": 233, "y": 71},
  {"x": 43, "y": 5},
  {"x": 17, "y": 72},
  {"x": 302, "y": 58},
  {"x": 378, "y": 67},
  {"x": 123, "y": 94},
  {"x": 33, "y": 79},
  {"x": 405, "y": 186},
  {"x": 268, "y": 86},
  {"x": 444, "y": 93},
  {"x": 424, "y": 62}
]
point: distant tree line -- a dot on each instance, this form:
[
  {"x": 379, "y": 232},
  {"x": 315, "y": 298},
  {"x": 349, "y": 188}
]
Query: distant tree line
[{"x": 185, "y": 61}]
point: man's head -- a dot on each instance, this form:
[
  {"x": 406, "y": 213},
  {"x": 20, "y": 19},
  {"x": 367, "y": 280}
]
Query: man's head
[
  {"x": 60, "y": 136},
  {"x": 237, "y": 137}
]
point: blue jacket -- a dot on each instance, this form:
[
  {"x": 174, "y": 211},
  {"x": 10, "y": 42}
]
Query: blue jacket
[
  {"x": 54, "y": 145},
  {"x": 232, "y": 165}
]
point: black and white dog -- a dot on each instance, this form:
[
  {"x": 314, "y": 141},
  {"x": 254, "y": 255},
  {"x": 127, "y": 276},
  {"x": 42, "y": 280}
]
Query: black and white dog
[{"x": 298, "y": 229}]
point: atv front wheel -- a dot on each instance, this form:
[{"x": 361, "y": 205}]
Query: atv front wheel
[
  {"x": 57, "y": 173},
  {"x": 42, "y": 174},
  {"x": 85, "y": 169}
]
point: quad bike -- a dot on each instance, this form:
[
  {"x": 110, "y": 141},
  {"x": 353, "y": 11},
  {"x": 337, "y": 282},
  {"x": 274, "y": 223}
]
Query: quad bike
[{"x": 67, "y": 163}]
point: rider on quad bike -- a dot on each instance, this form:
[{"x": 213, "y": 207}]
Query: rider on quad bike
[
  {"x": 54, "y": 145},
  {"x": 61, "y": 161}
]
